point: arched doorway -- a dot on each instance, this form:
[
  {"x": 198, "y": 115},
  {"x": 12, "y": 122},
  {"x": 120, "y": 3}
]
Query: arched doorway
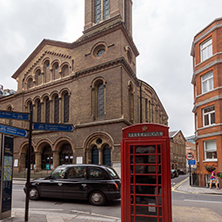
[
  {"x": 47, "y": 158},
  {"x": 66, "y": 154},
  {"x": 107, "y": 155}
]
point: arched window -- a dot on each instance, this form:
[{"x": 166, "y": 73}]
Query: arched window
[
  {"x": 100, "y": 100},
  {"x": 55, "y": 71},
  {"x": 39, "y": 110},
  {"x": 106, "y": 156},
  {"x": 38, "y": 77},
  {"x": 56, "y": 109},
  {"x": 47, "y": 110},
  {"x": 47, "y": 158},
  {"x": 66, "y": 107},
  {"x": 95, "y": 155},
  {"x": 65, "y": 71},
  {"x": 30, "y": 83},
  {"x": 102, "y": 10},
  {"x": 46, "y": 71}
]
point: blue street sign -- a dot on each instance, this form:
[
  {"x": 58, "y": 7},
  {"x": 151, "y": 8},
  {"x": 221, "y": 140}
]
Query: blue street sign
[
  {"x": 53, "y": 127},
  {"x": 13, "y": 115},
  {"x": 13, "y": 131},
  {"x": 191, "y": 162}
]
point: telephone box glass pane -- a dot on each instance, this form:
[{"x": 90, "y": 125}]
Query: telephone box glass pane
[
  {"x": 145, "y": 189},
  {"x": 159, "y": 159},
  {"x": 143, "y": 219},
  {"x": 145, "y": 179},
  {"x": 159, "y": 169},
  {"x": 132, "y": 219},
  {"x": 131, "y": 149},
  {"x": 145, "y": 149},
  {"x": 146, "y": 200},
  {"x": 144, "y": 169},
  {"x": 145, "y": 159},
  {"x": 160, "y": 200},
  {"x": 151, "y": 210}
]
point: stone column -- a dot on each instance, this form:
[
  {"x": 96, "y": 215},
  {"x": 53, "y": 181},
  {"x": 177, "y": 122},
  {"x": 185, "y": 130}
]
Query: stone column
[
  {"x": 55, "y": 159},
  {"x": 38, "y": 161},
  {"x": 100, "y": 155},
  {"x": 60, "y": 110},
  {"x": 88, "y": 157}
]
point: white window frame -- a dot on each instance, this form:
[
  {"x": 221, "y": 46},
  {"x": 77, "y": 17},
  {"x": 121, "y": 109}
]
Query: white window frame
[
  {"x": 212, "y": 149},
  {"x": 210, "y": 115},
  {"x": 207, "y": 82},
  {"x": 206, "y": 50}
]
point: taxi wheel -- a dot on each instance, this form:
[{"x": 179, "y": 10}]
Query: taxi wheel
[
  {"x": 33, "y": 194},
  {"x": 97, "y": 198}
]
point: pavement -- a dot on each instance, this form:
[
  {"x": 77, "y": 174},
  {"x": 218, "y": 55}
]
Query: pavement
[{"x": 180, "y": 213}]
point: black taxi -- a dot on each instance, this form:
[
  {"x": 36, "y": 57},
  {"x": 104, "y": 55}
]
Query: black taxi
[{"x": 95, "y": 183}]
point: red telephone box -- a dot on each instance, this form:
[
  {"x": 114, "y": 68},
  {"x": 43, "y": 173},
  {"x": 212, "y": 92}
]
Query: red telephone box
[{"x": 145, "y": 174}]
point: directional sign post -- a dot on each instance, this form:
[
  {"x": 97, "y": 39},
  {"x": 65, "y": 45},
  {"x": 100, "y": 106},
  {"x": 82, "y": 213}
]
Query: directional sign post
[
  {"x": 13, "y": 131},
  {"x": 53, "y": 127},
  {"x": 191, "y": 162},
  {"x": 14, "y": 115}
]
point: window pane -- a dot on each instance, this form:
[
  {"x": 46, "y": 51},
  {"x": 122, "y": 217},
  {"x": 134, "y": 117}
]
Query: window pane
[
  {"x": 211, "y": 84},
  {"x": 77, "y": 172},
  {"x": 95, "y": 173},
  {"x": 66, "y": 108},
  {"x": 210, "y": 145},
  {"x": 206, "y": 120},
  {"x": 100, "y": 100},
  {"x": 211, "y": 155},
  {"x": 212, "y": 118},
  {"x": 204, "y": 87}
]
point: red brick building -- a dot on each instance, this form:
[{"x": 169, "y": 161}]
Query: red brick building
[{"x": 207, "y": 81}]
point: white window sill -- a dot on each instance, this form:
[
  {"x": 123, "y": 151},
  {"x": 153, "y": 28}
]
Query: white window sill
[{"x": 210, "y": 160}]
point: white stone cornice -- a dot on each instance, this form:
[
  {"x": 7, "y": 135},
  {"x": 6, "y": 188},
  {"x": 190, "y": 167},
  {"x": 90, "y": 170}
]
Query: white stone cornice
[
  {"x": 215, "y": 62},
  {"x": 212, "y": 99}
]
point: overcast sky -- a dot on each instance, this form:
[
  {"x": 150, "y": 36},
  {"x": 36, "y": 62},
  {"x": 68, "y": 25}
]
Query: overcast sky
[{"x": 163, "y": 32}]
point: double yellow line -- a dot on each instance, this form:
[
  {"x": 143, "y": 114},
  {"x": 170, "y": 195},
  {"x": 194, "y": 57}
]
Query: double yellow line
[{"x": 178, "y": 184}]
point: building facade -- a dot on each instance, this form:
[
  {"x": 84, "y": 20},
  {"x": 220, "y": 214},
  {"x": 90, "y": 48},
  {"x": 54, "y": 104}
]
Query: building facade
[
  {"x": 207, "y": 81},
  {"x": 177, "y": 150},
  {"x": 90, "y": 83}
]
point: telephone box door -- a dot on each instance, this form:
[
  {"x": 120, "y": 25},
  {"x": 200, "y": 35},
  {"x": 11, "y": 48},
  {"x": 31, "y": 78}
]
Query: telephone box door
[{"x": 146, "y": 184}]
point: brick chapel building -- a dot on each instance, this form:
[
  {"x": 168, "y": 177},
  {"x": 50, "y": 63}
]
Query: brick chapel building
[
  {"x": 207, "y": 80},
  {"x": 91, "y": 83}
]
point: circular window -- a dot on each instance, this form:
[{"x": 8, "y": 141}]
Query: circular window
[
  {"x": 98, "y": 141},
  {"x": 99, "y": 50}
]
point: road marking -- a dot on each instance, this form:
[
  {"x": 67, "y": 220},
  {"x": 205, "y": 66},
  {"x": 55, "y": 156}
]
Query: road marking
[
  {"x": 178, "y": 184},
  {"x": 37, "y": 209},
  {"x": 203, "y": 201}
]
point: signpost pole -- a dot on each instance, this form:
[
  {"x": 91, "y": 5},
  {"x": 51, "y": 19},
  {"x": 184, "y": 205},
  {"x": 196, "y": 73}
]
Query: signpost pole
[
  {"x": 29, "y": 166},
  {"x": 190, "y": 173}
]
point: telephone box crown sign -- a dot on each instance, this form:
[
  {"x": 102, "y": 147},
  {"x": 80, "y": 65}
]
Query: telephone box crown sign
[{"x": 144, "y": 128}]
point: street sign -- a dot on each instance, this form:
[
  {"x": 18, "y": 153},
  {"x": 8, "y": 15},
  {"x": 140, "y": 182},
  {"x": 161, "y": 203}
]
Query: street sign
[
  {"x": 13, "y": 131},
  {"x": 191, "y": 162},
  {"x": 13, "y": 115},
  {"x": 189, "y": 156},
  {"x": 53, "y": 127}
]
